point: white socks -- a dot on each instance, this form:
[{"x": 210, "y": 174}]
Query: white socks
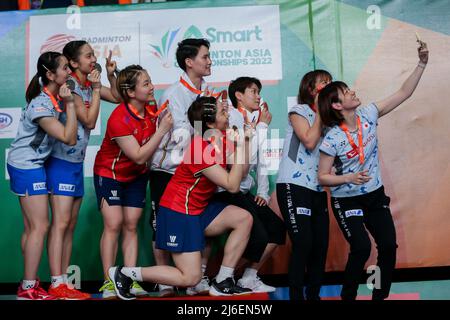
[
  {"x": 224, "y": 272},
  {"x": 28, "y": 284},
  {"x": 132, "y": 272},
  {"x": 57, "y": 280}
]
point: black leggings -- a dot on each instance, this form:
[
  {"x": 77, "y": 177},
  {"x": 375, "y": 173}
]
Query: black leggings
[
  {"x": 354, "y": 215},
  {"x": 267, "y": 226},
  {"x": 158, "y": 183},
  {"x": 306, "y": 218}
]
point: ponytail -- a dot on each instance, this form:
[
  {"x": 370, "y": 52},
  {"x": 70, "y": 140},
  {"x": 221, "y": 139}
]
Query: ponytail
[
  {"x": 34, "y": 89},
  {"x": 48, "y": 61}
]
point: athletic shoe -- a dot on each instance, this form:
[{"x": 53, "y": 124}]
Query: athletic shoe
[
  {"x": 227, "y": 287},
  {"x": 75, "y": 294},
  {"x": 122, "y": 283},
  {"x": 108, "y": 291},
  {"x": 137, "y": 290},
  {"x": 165, "y": 291},
  {"x": 255, "y": 284},
  {"x": 36, "y": 293},
  {"x": 65, "y": 293},
  {"x": 202, "y": 288}
]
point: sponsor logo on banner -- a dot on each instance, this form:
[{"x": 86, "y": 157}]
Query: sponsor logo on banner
[
  {"x": 354, "y": 213},
  {"x": 9, "y": 122},
  {"x": 39, "y": 186},
  {"x": 272, "y": 154},
  {"x": 5, "y": 120},
  {"x": 56, "y": 42},
  {"x": 161, "y": 50},
  {"x": 66, "y": 187},
  {"x": 304, "y": 211},
  {"x": 244, "y": 40}
]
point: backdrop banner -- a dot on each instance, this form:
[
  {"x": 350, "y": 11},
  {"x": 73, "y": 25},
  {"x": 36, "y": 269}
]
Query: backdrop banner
[{"x": 371, "y": 45}]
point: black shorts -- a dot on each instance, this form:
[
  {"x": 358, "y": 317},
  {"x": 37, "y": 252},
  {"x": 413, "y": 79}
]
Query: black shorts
[
  {"x": 267, "y": 226},
  {"x": 125, "y": 194}
]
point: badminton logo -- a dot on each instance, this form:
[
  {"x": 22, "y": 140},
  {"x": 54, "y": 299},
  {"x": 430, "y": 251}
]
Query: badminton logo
[
  {"x": 56, "y": 42},
  {"x": 163, "y": 50}
]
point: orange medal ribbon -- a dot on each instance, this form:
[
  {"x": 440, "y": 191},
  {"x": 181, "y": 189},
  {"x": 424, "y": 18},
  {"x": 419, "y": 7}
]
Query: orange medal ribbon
[
  {"x": 360, "y": 148},
  {"x": 197, "y": 91},
  {"x": 147, "y": 108},
  {"x": 87, "y": 83},
  {"x": 161, "y": 109},
  {"x": 53, "y": 99},
  {"x": 244, "y": 114}
]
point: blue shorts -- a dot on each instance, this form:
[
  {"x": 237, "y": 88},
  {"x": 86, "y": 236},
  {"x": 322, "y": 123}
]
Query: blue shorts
[
  {"x": 179, "y": 232},
  {"x": 64, "y": 178},
  {"x": 27, "y": 181},
  {"x": 125, "y": 194}
]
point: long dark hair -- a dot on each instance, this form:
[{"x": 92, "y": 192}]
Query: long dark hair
[
  {"x": 329, "y": 95},
  {"x": 72, "y": 51},
  {"x": 48, "y": 61}
]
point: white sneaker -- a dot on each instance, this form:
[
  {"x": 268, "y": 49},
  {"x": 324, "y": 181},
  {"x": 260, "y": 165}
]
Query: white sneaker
[
  {"x": 137, "y": 290},
  {"x": 107, "y": 290},
  {"x": 165, "y": 291},
  {"x": 202, "y": 288},
  {"x": 255, "y": 284}
]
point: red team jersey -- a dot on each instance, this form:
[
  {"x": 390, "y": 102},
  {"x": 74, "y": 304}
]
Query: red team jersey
[
  {"x": 189, "y": 191},
  {"x": 110, "y": 161}
]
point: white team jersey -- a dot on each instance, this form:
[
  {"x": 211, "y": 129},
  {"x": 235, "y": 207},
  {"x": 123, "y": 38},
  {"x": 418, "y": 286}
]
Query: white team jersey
[{"x": 169, "y": 153}]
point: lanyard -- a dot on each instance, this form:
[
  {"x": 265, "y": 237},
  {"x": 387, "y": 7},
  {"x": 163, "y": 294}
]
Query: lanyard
[
  {"x": 147, "y": 108},
  {"x": 244, "y": 114},
  {"x": 87, "y": 83},
  {"x": 53, "y": 99},
  {"x": 199, "y": 92},
  {"x": 161, "y": 109},
  {"x": 360, "y": 148}
]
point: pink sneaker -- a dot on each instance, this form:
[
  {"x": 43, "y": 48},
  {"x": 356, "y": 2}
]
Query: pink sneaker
[{"x": 36, "y": 293}]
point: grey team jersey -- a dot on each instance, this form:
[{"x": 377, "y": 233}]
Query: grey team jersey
[
  {"x": 298, "y": 165},
  {"x": 346, "y": 160},
  {"x": 169, "y": 153},
  {"x": 32, "y": 145},
  {"x": 77, "y": 152}
]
